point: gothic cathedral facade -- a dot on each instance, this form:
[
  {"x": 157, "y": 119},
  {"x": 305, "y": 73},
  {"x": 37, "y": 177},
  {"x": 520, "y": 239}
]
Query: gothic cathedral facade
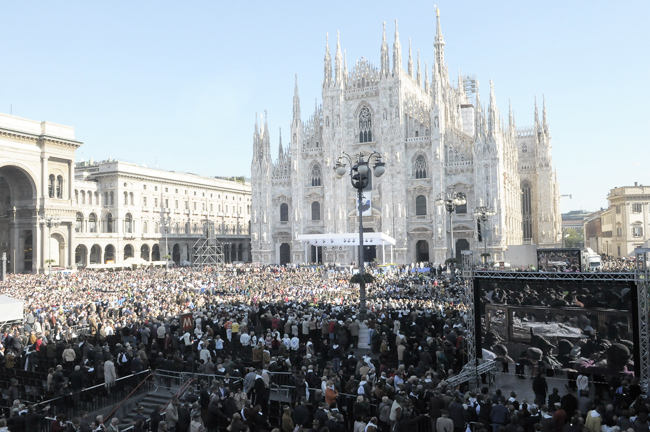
[{"x": 434, "y": 136}]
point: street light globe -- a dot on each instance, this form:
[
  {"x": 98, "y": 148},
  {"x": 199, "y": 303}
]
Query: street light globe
[
  {"x": 340, "y": 171},
  {"x": 379, "y": 170},
  {"x": 363, "y": 168}
]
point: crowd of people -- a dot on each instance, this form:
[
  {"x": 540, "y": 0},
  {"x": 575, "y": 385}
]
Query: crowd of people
[{"x": 256, "y": 328}]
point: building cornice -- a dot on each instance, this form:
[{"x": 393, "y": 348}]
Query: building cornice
[{"x": 47, "y": 139}]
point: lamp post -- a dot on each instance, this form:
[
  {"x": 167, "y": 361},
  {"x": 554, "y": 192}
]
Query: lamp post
[
  {"x": 166, "y": 224},
  {"x": 483, "y": 213},
  {"x": 450, "y": 200},
  {"x": 49, "y": 222},
  {"x": 359, "y": 167}
]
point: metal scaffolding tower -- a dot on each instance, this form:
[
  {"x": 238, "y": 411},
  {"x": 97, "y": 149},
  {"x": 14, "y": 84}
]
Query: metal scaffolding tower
[
  {"x": 642, "y": 279},
  {"x": 207, "y": 251}
]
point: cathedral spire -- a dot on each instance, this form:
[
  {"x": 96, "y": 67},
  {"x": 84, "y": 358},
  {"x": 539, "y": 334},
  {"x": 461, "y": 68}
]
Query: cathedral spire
[
  {"x": 536, "y": 116},
  {"x": 492, "y": 111},
  {"x": 410, "y": 65},
  {"x": 419, "y": 73},
  {"x": 296, "y": 102},
  {"x": 439, "y": 45},
  {"x": 397, "y": 53},
  {"x": 338, "y": 62},
  {"x": 385, "y": 62},
  {"x": 544, "y": 124},
  {"x": 280, "y": 150},
  {"x": 345, "y": 66},
  {"x": 426, "y": 77},
  {"x": 328, "y": 63},
  {"x": 257, "y": 126}
]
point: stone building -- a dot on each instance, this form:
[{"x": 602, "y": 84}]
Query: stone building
[
  {"x": 624, "y": 225},
  {"x": 107, "y": 211},
  {"x": 435, "y": 136}
]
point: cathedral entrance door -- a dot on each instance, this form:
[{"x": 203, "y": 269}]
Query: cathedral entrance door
[
  {"x": 461, "y": 245},
  {"x": 285, "y": 254},
  {"x": 369, "y": 253},
  {"x": 422, "y": 251}
]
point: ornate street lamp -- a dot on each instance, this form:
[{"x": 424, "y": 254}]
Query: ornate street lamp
[
  {"x": 49, "y": 222},
  {"x": 482, "y": 214},
  {"x": 359, "y": 167},
  {"x": 167, "y": 221},
  {"x": 450, "y": 200}
]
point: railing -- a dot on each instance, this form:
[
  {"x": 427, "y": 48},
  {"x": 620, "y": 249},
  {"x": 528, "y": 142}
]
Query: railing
[{"x": 97, "y": 397}]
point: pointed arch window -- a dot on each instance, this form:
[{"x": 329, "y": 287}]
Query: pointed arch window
[
  {"x": 315, "y": 211},
  {"x": 284, "y": 212},
  {"x": 365, "y": 125},
  {"x": 420, "y": 167},
  {"x": 315, "y": 175},
  {"x": 527, "y": 211},
  {"x": 421, "y": 205}
]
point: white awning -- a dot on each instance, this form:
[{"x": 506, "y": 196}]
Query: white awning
[{"x": 346, "y": 239}]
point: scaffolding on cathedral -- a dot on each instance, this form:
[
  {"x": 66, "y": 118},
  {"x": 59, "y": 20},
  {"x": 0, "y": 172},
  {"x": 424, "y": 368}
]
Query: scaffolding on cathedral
[{"x": 207, "y": 251}]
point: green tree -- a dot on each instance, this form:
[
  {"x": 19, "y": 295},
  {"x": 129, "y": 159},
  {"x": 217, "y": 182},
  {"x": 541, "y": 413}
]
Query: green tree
[{"x": 573, "y": 238}]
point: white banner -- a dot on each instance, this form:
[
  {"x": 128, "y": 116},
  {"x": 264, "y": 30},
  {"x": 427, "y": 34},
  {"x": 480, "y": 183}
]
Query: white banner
[{"x": 366, "y": 207}]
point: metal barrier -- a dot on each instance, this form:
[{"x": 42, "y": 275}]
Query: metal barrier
[
  {"x": 98, "y": 397},
  {"x": 173, "y": 379}
]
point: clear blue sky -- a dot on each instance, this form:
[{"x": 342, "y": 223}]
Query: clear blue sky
[{"x": 177, "y": 84}]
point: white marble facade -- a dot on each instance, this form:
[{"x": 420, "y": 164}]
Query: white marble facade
[{"x": 433, "y": 135}]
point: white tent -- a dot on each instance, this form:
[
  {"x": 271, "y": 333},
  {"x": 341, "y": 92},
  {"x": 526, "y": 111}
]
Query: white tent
[{"x": 10, "y": 309}]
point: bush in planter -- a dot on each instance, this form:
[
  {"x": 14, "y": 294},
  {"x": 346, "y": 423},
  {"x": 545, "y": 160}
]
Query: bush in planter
[{"x": 367, "y": 278}]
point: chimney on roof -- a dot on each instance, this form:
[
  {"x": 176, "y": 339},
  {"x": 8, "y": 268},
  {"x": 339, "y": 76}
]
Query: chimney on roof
[{"x": 635, "y": 184}]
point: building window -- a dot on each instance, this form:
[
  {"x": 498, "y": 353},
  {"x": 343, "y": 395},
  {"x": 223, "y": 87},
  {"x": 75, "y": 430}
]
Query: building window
[
  {"x": 211, "y": 207},
  {"x": 420, "y": 167},
  {"x": 175, "y": 190},
  {"x": 315, "y": 175},
  {"x": 618, "y": 209},
  {"x": 527, "y": 211},
  {"x": 78, "y": 226},
  {"x": 145, "y": 227},
  {"x": 155, "y": 188},
  {"x": 92, "y": 223},
  {"x": 131, "y": 200},
  {"x": 126, "y": 198},
  {"x": 365, "y": 125},
  {"x": 461, "y": 209},
  {"x": 637, "y": 208},
  {"x": 112, "y": 195},
  {"x": 155, "y": 202},
  {"x": 284, "y": 212},
  {"x": 315, "y": 211},
  {"x": 76, "y": 196},
  {"x": 59, "y": 187},
  {"x": 524, "y": 149},
  {"x": 128, "y": 223},
  {"x": 637, "y": 231},
  {"x": 619, "y": 230},
  {"x": 83, "y": 197},
  {"x": 166, "y": 190},
  {"x": 203, "y": 206},
  {"x": 109, "y": 223},
  {"x": 157, "y": 228},
  {"x": 421, "y": 205},
  {"x": 50, "y": 186},
  {"x": 194, "y": 206},
  {"x": 144, "y": 201},
  {"x": 176, "y": 204},
  {"x": 144, "y": 187},
  {"x": 166, "y": 203}
]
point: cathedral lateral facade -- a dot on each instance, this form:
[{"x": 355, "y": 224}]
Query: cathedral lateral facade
[{"x": 434, "y": 136}]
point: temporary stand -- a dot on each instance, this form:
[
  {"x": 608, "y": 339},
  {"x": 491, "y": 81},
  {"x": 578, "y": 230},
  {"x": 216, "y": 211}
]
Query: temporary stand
[{"x": 207, "y": 251}]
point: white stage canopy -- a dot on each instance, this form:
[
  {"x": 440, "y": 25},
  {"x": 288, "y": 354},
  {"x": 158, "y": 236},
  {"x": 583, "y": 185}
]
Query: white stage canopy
[
  {"x": 347, "y": 239},
  {"x": 11, "y": 309},
  {"x": 338, "y": 241}
]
